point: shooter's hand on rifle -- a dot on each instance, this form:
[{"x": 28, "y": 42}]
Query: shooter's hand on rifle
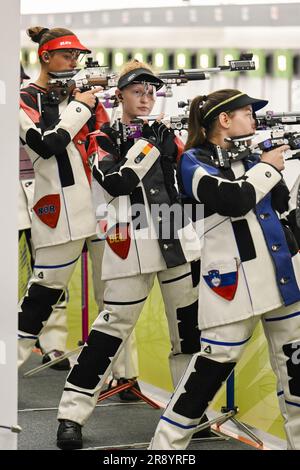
[
  {"x": 88, "y": 97},
  {"x": 162, "y": 136},
  {"x": 275, "y": 157}
]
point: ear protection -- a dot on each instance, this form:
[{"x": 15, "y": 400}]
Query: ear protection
[{"x": 46, "y": 57}]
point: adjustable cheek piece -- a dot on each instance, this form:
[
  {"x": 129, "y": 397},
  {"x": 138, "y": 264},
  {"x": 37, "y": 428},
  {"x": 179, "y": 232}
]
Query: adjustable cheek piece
[
  {"x": 241, "y": 149},
  {"x": 220, "y": 157}
]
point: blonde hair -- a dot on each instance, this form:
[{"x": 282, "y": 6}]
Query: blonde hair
[{"x": 133, "y": 65}]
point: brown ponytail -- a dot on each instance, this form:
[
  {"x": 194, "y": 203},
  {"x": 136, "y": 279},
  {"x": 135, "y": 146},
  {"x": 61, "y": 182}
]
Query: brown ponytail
[{"x": 198, "y": 133}]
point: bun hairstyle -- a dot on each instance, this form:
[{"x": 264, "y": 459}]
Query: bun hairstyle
[
  {"x": 198, "y": 130},
  {"x": 36, "y": 33},
  {"x": 41, "y": 35}
]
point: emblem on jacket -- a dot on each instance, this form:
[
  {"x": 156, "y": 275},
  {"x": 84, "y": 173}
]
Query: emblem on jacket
[
  {"x": 143, "y": 153},
  {"x": 118, "y": 239},
  {"x": 223, "y": 284},
  {"x": 48, "y": 209},
  {"x": 215, "y": 278}
]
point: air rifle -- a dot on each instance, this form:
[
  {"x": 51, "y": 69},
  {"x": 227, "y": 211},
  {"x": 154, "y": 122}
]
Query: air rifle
[
  {"x": 181, "y": 76},
  {"x": 62, "y": 84},
  {"x": 279, "y": 126}
]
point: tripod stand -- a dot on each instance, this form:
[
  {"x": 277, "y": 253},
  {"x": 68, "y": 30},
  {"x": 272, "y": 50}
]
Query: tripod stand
[
  {"x": 229, "y": 412},
  {"x": 130, "y": 385}
]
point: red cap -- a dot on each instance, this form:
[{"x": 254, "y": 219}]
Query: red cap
[{"x": 64, "y": 42}]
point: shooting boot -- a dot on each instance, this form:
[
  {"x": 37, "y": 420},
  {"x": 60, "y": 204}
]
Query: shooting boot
[
  {"x": 64, "y": 364},
  {"x": 69, "y": 435}
]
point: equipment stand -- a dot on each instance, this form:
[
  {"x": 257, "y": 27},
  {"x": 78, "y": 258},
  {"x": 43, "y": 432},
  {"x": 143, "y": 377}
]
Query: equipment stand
[
  {"x": 112, "y": 391},
  {"x": 228, "y": 413}
]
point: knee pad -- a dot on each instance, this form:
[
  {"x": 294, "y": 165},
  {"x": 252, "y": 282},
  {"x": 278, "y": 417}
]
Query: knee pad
[
  {"x": 292, "y": 351},
  {"x": 189, "y": 332},
  {"x": 201, "y": 387},
  {"x": 37, "y": 307},
  {"x": 94, "y": 360}
]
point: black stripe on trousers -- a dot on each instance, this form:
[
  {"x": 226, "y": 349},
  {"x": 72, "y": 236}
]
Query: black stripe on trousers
[
  {"x": 124, "y": 303},
  {"x": 67, "y": 389},
  {"x": 176, "y": 278}
]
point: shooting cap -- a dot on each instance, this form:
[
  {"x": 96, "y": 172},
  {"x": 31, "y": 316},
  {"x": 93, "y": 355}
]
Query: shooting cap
[
  {"x": 230, "y": 104},
  {"x": 63, "y": 42},
  {"x": 23, "y": 75},
  {"x": 139, "y": 76}
]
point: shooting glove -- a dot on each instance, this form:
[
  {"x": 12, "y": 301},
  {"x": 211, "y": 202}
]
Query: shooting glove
[
  {"x": 109, "y": 143},
  {"x": 162, "y": 137}
]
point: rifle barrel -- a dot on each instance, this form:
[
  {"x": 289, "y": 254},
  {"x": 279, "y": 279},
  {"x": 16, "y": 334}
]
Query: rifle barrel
[
  {"x": 234, "y": 66},
  {"x": 270, "y": 120},
  {"x": 184, "y": 75}
]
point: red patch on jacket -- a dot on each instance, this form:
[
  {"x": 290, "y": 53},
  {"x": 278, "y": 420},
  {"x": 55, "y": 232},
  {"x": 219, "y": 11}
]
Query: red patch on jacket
[
  {"x": 32, "y": 113},
  {"x": 118, "y": 238},
  {"x": 48, "y": 209}
]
